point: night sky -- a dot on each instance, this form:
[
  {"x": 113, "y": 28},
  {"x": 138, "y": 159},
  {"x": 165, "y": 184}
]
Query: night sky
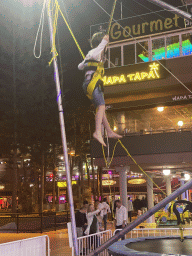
[{"x": 33, "y": 78}]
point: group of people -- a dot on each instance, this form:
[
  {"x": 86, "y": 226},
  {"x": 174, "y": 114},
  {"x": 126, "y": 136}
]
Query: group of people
[{"x": 89, "y": 218}]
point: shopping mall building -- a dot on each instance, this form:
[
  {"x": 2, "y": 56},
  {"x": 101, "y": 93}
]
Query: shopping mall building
[{"x": 147, "y": 85}]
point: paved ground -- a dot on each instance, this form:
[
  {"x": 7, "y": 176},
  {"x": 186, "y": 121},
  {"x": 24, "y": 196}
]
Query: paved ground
[{"x": 59, "y": 242}]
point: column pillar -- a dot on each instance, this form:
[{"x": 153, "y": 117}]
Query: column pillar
[
  {"x": 123, "y": 183},
  {"x": 168, "y": 185},
  {"x": 182, "y": 182},
  {"x": 150, "y": 198}
]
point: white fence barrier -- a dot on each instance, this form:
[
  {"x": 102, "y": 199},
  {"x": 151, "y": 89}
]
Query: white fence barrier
[
  {"x": 36, "y": 246},
  {"x": 87, "y": 244}
]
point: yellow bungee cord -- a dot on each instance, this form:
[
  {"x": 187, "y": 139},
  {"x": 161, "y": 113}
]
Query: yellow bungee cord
[{"x": 109, "y": 163}]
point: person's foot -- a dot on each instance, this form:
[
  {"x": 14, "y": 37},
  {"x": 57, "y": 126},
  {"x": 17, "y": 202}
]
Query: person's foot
[
  {"x": 114, "y": 135},
  {"x": 99, "y": 138}
]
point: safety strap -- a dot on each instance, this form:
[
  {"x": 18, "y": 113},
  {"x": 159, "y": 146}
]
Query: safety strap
[{"x": 98, "y": 75}]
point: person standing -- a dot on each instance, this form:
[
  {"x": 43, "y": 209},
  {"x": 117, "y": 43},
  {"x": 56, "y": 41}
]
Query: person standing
[
  {"x": 93, "y": 225},
  {"x": 130, "y": 209},
  {"x": 105, "y": 211},
  {"x": 144, "y": 204},
  {"x": 121, "y": 216},
  {"x": 81, "y": 220}
]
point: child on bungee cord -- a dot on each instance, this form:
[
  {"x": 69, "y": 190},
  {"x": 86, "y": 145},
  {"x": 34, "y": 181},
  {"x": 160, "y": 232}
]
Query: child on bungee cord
[{"x": 93, "y": 84}]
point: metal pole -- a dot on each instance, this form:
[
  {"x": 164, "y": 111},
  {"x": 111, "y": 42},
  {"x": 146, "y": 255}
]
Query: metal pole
[
  {"x": 173, "y": 9},
  {"x": 63, "y": 136},
  {"x": 121, "y": 10},
  {"x": 142, "y": 218}
]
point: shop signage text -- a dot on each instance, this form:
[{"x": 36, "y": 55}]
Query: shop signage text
[
  {"x": 152, "y": 73},
  {"x": 183, "y": 97},
  {"x": 151, "y": 27}
]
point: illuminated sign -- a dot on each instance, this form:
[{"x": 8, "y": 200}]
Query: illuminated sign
[
  {"x": 108, "y": 182},
  {"x": 136, "y": 181},
  {"x": 183, "y": 97},
  {"x": 150, "y": 23},
  {"x": 63, "y": 184},
  {"x": 150, "y": 72},
  {"x": 145, "y": 28},
  {"x": 173, "y": 50}
]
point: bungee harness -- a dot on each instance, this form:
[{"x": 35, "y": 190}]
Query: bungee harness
[
  {"x": 96, "y": 77},
  {"x": 180, "y": 218}
]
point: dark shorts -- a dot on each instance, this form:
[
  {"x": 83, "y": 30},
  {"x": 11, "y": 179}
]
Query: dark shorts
[{"x": 98, "y": 95}]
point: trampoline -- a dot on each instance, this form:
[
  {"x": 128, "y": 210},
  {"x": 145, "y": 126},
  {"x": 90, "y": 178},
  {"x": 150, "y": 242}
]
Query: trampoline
[{"x": 152, "y": 246}]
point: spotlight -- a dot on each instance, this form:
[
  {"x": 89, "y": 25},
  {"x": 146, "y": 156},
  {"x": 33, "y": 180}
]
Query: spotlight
[
  {"x": 166, "y": 171},
  {"x": 115, "y": 128},
  {"x": 180, "y": 123},
  {"x": 186, "y": 176},
  {"x": 160, "y": 109}
]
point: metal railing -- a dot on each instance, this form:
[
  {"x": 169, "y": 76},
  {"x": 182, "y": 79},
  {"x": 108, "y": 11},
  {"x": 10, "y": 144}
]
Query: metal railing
[
  {"x": 156, "y": 232},
  {"x": 38, "y": 246},
  {"x": 89, "y": 243},
  {"x": 34, "y": 222}
]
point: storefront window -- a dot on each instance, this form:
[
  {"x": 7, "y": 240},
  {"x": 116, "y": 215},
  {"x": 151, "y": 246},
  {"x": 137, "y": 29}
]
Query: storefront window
[
  {"x": 158, "y": 49},
  {"x": 129, "y": 54},
  {"x": 173, "y": 48},
  {"x": 142, "y": 52},
  {"x": 187, "y": 44},
  {"x": 154, "y": 120},
  {"x": 115, "y": 56}
]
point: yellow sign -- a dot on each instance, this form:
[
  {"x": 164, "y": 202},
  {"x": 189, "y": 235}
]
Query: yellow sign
[
  {"x": 136, "y": 181},
  {"x": 134, "y": 77},
  {"x": 152, "y": 26},
  {"x": 63, "y": 184},
  {"x": 108, "y": 182}
]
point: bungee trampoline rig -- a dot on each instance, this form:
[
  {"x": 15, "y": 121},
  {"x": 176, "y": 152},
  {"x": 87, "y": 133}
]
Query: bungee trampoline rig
[{"x": 53, "y": 10}]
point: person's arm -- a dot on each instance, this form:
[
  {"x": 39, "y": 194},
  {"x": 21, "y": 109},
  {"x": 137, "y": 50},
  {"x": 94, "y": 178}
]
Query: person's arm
[
  {"x": 98, "y": 50},
  {"x": 131, "y": 206},
  {"x": 108, "y": 208},
  {"x": 93, "y": 213},
  {"x": 81, "y": 65},
  {"x": 124, "y": 217}
]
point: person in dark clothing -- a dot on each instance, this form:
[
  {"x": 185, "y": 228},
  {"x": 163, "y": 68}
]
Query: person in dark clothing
[
  {"x": 144, "y": 204},
  {"x": 137, "y": 204},
  {"x": 81, "y": 220},
  {"x": 188, "y": 207}
]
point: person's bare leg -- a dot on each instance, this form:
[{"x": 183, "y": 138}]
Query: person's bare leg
[
  {"x": 110, "y": 132},
  {"x": 98, "y": 121}
]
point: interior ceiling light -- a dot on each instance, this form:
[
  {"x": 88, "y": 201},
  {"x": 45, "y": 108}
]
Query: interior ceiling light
[
  {"x": 160, "y": 109},
  {"x": 136, "y": 181},
  {"x": 180, "y": 123},
  {"x": 166, "y": 171}
]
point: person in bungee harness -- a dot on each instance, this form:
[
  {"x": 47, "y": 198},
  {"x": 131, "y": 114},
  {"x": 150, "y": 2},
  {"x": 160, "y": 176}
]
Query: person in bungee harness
[
  {"x": 93, "y": 65},
  {"x": 188, "y": 207}
]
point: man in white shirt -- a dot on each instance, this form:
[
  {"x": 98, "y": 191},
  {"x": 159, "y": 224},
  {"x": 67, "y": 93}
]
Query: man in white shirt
[
  {"x": 130, "y": 208},
  {"x": 121, "y": 216},
  {"x": 106, "y": 209}
]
